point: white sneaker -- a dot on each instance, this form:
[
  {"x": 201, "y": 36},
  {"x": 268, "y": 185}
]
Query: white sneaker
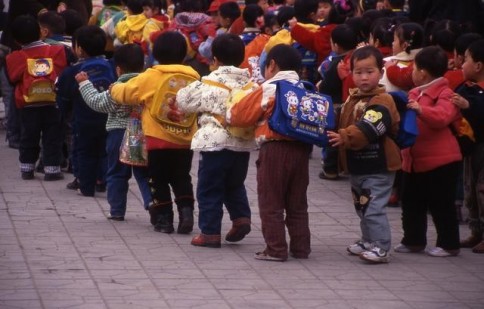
[
  {"x": 358, "y": 247},
  {"x": 375, "y": 255},
  {"x": 401, "y": 248},
  {"x": 439, "y": 252}
]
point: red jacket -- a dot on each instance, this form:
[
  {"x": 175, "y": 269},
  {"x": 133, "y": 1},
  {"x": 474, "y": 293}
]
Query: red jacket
[
  {"x": 317, "y": 41},
  {"x": 436, "y": 145},
  {"x": 455, "y": 78}
]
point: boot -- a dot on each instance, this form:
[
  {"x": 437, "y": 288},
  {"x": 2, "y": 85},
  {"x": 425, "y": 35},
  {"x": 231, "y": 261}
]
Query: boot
[
  {"x": 479, "y": 248},
  {"x": 240, "y": 228},
  {"x": 165, "y": 221},
  {"x": 210, "y": 241},
  {"x": 155, "y": 210},
  {"x": 185, "y": 223},
  {"x": 471, "y": 241}
]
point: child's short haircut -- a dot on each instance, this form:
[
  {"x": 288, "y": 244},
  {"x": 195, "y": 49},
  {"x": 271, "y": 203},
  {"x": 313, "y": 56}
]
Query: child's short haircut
[
  {"x": 412, "y": 34},
  {"x": 52, "y": 21},
  {"x": 285, "y": 14},
  {"x": 365, "y": 53},
  {"x": 444, "y": 34},
  {"x": 432, "y": 59},
  {"x": 476, "y": 51},
  {"x": 25, "y": 29},
  {"x": 130, "y": 58},
  {"x": 344, "y": 36},
  {"x": 91, "y": 39},
  {"x": 170, "y": 48},
  {"x": 382, "y": 30},
  {"x": 73, "y": 21},
  {"x": 304, "y": 8},
  {"x": 251, "y": 13},
  {"x": 190, "y": 6},
  {"x": 286, "y": 57},
  {"x": 229, "y": 10},
  {"x": 135, "y": 6},
  {"x": 463, "y": 42},
  {"x": 229, "y": 49}
]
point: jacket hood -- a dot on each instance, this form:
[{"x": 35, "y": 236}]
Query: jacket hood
[
  {"x": 136, "y": 22},
  {"x": 190, "y": 19},
  {"x": 176, "y": 69}
]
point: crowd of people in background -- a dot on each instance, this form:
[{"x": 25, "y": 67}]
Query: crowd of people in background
[{"x": 74, "y": 74}]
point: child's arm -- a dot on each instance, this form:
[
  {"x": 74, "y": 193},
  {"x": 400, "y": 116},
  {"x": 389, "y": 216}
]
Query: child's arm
[
  {"x": 98, "y": 101},
  {"x": 136, "y": 91},
  {"x": 400, "y": 77},
  {"x": 304, "y": 36},
  {"x": 189, "y": 98},
  {"x": 248, "y": 111},
  {"x": 439, "y": 114}
]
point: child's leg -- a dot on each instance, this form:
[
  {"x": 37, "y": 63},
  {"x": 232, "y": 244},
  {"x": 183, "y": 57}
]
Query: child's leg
[
  {"x": 118, "y": 174},
  {"x": 373, "y": 193},
  {"x": 181, "y": 183},
  {"x": 29, "y": 142},
  {"x": 441, "y": 190},
  {"x": 142, "y": 178},
  {"x": 51, "y": 139}
]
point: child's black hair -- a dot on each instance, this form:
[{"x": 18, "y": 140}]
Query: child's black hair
[
  {"x": 476, "y": 51},
  {"x": 91, "y": 39},
  {"x": 190, "y": 6},
  {"x": 463, "y": 42},
  {"x": 73, "y": 21},
  {"x": 365, "y": 53},
  {"x": 25, "y": 29},
  {"x": 229, "y": 49},
  {"x": 170, "y": 48},
  {"x": 285, "y": 14},
  {"x": 251, "y": 13},
  {"x": 286, "y": 57},
  {"x": 130, "y": 58},
  {"x": 382, "y": 30},
  {"x": 344, "y": 36},
  {"x": 444, "y": 34},
  {"x": 432, "y": 59},
  {"x": 135, "y": 6},
  {"x": 412, "y": 34},
  {"x": 304, "y": 8},
  {"x": 111, "y": 2},
  {"x": 359, "y": 29},
  {"x": 229, "y": 10},
  {"x": 52, "y": 21}
]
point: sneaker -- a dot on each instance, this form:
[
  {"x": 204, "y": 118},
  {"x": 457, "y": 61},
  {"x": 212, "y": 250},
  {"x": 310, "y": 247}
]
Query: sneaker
[
  {"x": 115, "y": 218},
  {"x": 440, "y": 252},
  {"x": 375, "y": 255},
  {"x": 358, "y": 247},
  {"x": 262, "y": 256},
  {"x": 28, "y": 175},
  {"x": 479, "y": 248},
  {"x": 401, "y": 248}
]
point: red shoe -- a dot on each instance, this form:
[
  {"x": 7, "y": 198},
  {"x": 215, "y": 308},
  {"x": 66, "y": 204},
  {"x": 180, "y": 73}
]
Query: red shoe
[
  {"x": 240, "y": 228},
  {"x": 210, "y": 241}
]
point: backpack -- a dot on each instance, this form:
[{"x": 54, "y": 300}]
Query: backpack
[
  {"x": 408, "y": 130},
  {"x": 163, "y": 109},
  {"x": 107, "y": 13},
  {"x": 302, "y": 114},
  {"x": 309, "y": 70},
  {"x": 100, "y": 72},
  {"x": 39, "y": 80},
  {"x": 194, "y": 38},
  {"x": 235, "y": 95}
]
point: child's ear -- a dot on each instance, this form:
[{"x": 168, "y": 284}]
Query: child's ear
[{"x": 479, "y": 66}]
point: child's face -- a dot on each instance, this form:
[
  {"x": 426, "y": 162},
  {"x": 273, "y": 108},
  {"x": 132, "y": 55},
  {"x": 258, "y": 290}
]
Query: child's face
[
  {"x": 366, "y": 74},
  {"x": 264, "y": 4},
  {"x": 323, "y": 10},
  {"x": 148, "y": 11},
  {"x": 419, "y": 76},
  {"x": 458, "y": 60},
  {"x": 470, "y": 67},
  {"x": 397, "y": 45},
  {"x": 259, "y": 22}
]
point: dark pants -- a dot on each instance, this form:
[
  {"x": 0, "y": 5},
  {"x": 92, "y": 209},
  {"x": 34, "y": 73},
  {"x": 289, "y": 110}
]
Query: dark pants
[
  {"x": 118, "y": 175},
  {"x": 90, "y": 154},
  {"x": 432, "y": 191},
  {"x": 221, "y": 176},
  {"x": 171, "y": 167},
  {"x": 282, "y": 182},
  {"x": 36, "y": 122}
]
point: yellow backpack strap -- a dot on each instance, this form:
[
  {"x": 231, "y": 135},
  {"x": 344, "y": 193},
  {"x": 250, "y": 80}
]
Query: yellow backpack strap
[{"x": 216, "y": 84}]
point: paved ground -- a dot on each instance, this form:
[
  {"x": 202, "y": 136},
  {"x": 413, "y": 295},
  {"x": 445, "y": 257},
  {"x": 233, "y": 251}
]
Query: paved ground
[{"x": 57, "y": 250}]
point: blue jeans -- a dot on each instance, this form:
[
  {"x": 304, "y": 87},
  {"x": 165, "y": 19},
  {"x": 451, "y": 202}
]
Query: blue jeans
[
  {"x": 376, "y": 190},
  {"x": 119, "y": 174},
  {"x": 221, "y": 176}
]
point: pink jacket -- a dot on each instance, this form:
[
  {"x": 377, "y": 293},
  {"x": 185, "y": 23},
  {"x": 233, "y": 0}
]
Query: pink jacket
[{"x": 436, "y": 145}]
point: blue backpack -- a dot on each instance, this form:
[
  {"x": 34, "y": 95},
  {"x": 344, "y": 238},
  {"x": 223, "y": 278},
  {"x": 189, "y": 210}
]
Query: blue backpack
[
  {"x": 302, "y": 114},
  {"x": 100, "y": 72},
  {"x": 408, "y": 130}
]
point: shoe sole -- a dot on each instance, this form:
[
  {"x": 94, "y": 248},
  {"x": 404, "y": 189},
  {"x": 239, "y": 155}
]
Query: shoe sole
[
  {"x": 380, "y": 261},
  {"x": 239, "y": 235},
  {"x": 186, "y": 227},
  {"x": 264, "y": 257},
  {"x": 207, "y": 245},
  {"x": 164, "y": 230}
]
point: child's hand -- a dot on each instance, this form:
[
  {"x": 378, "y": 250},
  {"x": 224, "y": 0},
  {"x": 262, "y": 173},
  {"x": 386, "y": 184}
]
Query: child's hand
[
  {"x": 81, "y": 76},
  {"x": 362, "y": 44},
  {"x": 460, "y": 101},
  {"x": 334, "y": 138},
  {"x": 390, "y": 63},
  {"x": 412, "y": 104}
]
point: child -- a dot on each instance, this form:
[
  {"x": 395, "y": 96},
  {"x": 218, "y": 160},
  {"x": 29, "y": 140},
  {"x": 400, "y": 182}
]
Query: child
[
  {"x": 470, "y": 99},
  {"x": 253, "y": 16},
  {"x": 368, "y": 121},
  {"x": 131, "y": 29},
  {"x": 381, "y": 35},
  {"x": 224, "y": 158},
  {"x": 455, "y": 76},
  {"x": 282, "y": 166},
  {"x": 169, "y": 161},
  {"x": 430, "y": 166},
  {"x": 39, "y": 115},
  {"x": 129, "y": 61},
  {"x": 89, "y": 127}
]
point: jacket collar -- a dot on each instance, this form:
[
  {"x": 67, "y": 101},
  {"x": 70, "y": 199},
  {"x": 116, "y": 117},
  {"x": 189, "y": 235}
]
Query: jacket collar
[
  {"x": 432, "y": 89},
  {"x": 356, "y": 93},
  {"x": 290, "y": 76}
]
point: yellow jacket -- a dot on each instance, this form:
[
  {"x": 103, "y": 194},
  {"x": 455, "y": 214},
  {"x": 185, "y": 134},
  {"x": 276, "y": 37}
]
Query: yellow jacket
[
  {"x": 130, "y": 29},
  {"x": 141, "y": 89}
]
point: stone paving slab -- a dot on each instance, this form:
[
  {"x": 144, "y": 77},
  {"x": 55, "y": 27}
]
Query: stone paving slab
[{"x": 57, "y": 250}]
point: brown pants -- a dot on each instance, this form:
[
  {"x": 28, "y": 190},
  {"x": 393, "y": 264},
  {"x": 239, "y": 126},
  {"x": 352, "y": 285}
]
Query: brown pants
[{"x": 282, "y": 182}]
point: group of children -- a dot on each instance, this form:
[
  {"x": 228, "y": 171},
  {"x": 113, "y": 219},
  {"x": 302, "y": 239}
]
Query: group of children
[{"x": 199, "y": 74}]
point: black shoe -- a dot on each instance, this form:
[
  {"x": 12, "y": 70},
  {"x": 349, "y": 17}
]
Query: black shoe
[
  {"x": 53, "y": 176},
  {"x": 100, "y": 187},
  {"x": 185, "y": 224},
  {"x": 115, "y": 218},
  {"x": 74, "y": 185},
  {"x": 165, "y": 223},
  {"x": 28, "y": 175}
]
